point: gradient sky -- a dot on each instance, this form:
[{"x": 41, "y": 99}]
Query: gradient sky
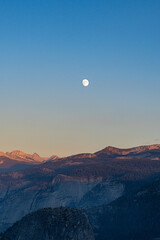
[{"x": 48, "y": 46}]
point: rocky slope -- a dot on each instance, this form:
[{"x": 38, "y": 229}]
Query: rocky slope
[
  {"x": 134, "y": 217},
  {"x": 76, "y": 181},
  {"x": 52, "y": 224}
]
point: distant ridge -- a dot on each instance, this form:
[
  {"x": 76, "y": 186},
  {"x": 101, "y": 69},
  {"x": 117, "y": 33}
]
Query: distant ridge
[
  {"x": 18, "y": 160},
  {"x": 21, "y": 156},
  {"x": 110, "y": 150},
  {"x": 124, "y": 151}
]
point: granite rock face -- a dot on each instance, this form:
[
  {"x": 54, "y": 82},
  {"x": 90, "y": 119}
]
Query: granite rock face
[
  {"x": 52, "y": 224},
  {"x": 67, "y": 192}
]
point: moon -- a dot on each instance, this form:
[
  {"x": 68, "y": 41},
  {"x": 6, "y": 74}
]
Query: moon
[{"x": 85, "y": 82}]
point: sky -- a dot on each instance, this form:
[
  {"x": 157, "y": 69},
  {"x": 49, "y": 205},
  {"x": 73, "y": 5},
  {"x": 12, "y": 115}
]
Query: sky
[{"x": 48, "y": 47}]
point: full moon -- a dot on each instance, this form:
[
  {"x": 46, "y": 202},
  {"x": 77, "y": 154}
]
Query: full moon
[{"x": 85, "y": 82}]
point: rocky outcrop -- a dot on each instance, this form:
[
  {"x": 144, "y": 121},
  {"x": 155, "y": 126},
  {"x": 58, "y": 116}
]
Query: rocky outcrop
[{"x": 52, "y": 224}]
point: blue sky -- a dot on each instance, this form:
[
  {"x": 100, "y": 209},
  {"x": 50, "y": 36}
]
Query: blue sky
[{"x": 48, "y": 47}]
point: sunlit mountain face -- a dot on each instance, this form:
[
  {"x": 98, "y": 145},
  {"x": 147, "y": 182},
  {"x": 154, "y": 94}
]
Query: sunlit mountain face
[
  {"x": 83, "y": 181},
  {"x": 18, "y": 160}
]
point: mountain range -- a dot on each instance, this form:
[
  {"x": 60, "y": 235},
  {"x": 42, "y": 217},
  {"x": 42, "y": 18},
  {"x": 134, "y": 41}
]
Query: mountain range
[
  {"x": 18, "y": 160},
  {"x": 107, "y": 185}
]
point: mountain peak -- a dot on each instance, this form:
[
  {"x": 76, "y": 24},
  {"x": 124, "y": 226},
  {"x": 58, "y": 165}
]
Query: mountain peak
[
  {"x": 36, "y": 157},
  {"x": 16, "y": 153}
]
